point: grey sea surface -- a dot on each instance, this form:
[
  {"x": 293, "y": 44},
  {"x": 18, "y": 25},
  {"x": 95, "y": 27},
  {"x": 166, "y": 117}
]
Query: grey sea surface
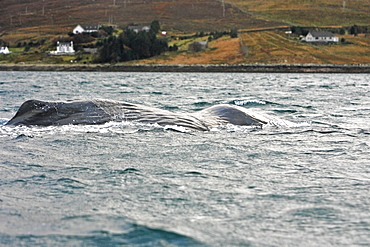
[{"x": 131, "y": 184}]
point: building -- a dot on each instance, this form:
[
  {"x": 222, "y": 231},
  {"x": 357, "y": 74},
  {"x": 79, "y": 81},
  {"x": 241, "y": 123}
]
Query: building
[
  {"x": 198, "y": 46},
  {"x": 137, "y": 28},
  {"x": 85, "y": 29},
  {"x": 90, "y": 50},
  {"x": 64, "y": 48},
  {"x": 4, "y": 50},
  {"x": 320, "y": 36}
]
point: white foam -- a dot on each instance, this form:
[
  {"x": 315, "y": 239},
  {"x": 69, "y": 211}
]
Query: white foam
[
  {"x": 126, "y": 127},
  {"x": 246, "y": 102},
  {"x": 279, "y": 123},
  {"x": 110, "y": 127},
  {"x": 177, "y": 128},
  {"x": 234, "y": 128}
]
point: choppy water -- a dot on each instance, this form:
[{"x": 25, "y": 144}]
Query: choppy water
[{"x": 123, "y": 184}]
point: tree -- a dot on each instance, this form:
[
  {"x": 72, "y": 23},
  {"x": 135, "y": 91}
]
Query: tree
[
  {"x": 173, "y": 48},
  {"x": 112, "y": 51},
  {"x": 155, "y": 27},
  {"x": 27, "y": 48},
  {"x": 298, "y": 30},
  {"x": 142, "y": 45},
  {"x": 234, "y": 33},
  {"x": 354, "y": 30},
  {"x": 108, "y": 29}
]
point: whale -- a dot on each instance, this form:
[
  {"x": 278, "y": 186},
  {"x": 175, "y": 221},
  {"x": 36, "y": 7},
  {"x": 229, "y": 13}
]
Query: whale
[{"x": 100, "y": 111}]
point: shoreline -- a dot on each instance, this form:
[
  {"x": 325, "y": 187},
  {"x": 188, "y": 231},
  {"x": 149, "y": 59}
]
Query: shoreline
[{"x": 205, "y": 68}]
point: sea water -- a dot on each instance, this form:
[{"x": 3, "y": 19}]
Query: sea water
[{"x": 129, "y": 184}]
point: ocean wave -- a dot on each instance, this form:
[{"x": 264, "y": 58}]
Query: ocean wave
[
  {"x": 130, "y": 234},
  {"x": 22, "y": 132}
]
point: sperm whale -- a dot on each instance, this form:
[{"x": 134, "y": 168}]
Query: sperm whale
[{"x": 98, "y": 111}]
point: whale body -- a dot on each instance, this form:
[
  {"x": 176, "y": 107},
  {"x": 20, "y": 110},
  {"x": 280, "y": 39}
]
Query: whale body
[{"x": 43, "y": 113}]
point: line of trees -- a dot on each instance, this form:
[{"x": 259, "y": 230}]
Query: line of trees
[
  {"x": 212, "y": 35},
  {"x": 131, "y": 45},
  {"x": 354, "y": 30},
  {"x": 359, "y": 29}
]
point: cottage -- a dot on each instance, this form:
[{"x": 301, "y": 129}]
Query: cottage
[
  {"x": 64, "y": 48},
  {"x": 85, "y": 29},
  {"x": 4, "y": 50},
  {"x": 137, "y": 28},
  {"x": 320, "y": 36}
]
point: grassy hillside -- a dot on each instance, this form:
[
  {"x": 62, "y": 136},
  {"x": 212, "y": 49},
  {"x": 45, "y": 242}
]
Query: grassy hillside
[
  {"x": 24, "y": 21},
  {"x": 184, "y": 15},
  {"x": 278, "y": 48},
  {"x": 271, "y": 47},
  {"x": 309, "y": 12}
]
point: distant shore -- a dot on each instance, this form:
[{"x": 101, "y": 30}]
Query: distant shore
[{"x": 224, "y": 68}]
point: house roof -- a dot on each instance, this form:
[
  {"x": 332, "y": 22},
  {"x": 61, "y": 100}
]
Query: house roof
[
  {"x": 65, "y": 43},
  {"x": 90, "y": 27},
  {"x": 202, "y": 42},
  {"x": 139, "y": 27},
  {"x": 321, "y": 34}
]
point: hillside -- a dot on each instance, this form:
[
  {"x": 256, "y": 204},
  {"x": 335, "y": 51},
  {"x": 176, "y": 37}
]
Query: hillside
[
  {"x": 24, "y": 21},
  {"x": 271, "y": 47},
  {"x": 309, "y": 12},
  {"x": 185, "y": 15}
]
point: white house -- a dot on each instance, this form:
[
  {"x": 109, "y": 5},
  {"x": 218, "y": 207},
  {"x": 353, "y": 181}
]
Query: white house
[
  {"x": 320, "y": 36},
  {"x": 64, "y": 48},
  {"x": 4, "y": 50},
  {"x": 85, "y": 29}
]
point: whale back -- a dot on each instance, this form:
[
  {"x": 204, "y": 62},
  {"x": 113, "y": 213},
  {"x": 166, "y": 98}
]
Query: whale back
[
  {"x": 42, "y": 113},
  {"x": 230, "y": 114},
  {"x": 124, "y": 111}
]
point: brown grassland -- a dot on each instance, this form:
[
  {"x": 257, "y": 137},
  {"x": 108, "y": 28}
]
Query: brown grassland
[
  {"x": 221, "y": 51},
  {"x": 271, "y": 47},
  {"x": 277, "y": 47},
  {"x": 309, "y": 12}
]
